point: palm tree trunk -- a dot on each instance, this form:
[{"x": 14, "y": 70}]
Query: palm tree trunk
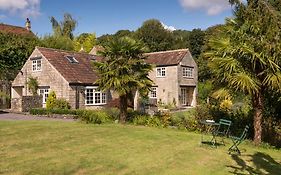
[
  {"x": 123, "y": 108},
  {"x": 258, "y": 115}
]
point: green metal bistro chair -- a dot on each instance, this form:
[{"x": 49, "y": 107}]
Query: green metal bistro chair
[
  {"x": 238, "y": 140},
  {"x": 221, "y": 131}
]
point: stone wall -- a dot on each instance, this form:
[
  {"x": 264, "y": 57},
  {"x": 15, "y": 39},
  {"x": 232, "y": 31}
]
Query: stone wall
[
  {"x": 29, "y": 102},
  {"x": 25, "y": 103},
  {"x": 16, "y": 104},
  {"x": 166, "y": 86}
]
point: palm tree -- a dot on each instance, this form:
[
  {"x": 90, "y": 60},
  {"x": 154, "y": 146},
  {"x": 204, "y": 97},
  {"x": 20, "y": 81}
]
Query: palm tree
[
  {"x": 123, "y": 70},
  {"x": 246, "y": 54}
]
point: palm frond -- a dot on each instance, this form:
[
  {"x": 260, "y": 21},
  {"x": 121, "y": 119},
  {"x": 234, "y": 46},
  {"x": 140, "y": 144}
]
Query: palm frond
[
  {"x": 222, "y": 94},
  {"x": 244, "y": 82},
  {"x": 273, "y": 80}
]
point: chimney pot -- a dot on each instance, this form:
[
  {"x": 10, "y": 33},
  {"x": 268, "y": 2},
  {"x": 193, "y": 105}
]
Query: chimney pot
[{"x": 28, "y": 24}]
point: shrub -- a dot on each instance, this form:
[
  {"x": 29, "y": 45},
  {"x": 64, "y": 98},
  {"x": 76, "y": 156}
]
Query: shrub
[
  {"x": 51, "y": 100},
  {"x": 165, "y": 117},
  {"x": 145, "y": 120},
  {"x": 61, "y": 104},
  {"x": 54, "y": 103},
  {"x": 39, "y": 111},
  {"x": 185, "y": 120},
  {"x": 44, "y": 111},
  {"x": 113, "y": 113},
  {"x": 93, "y": 116}
]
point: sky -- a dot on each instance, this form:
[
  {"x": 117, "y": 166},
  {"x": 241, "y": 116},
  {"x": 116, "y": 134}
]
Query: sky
[{"x": 109, "y": 16}]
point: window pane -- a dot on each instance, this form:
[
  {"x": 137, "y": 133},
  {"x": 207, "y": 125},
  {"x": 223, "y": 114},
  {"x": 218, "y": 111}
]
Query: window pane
[
  {"x": 97, "y": 98},
  {"x": 89, "y": 96},
  {"x": 38, "y": 64},
  {"x": 103, "y": 100},
  {"x": 158, "y": 72},
  {"x": 163, "y": 72},
  {"x": 153, "y": 93}
]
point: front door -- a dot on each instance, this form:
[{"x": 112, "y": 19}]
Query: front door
[{"x": 184, "y": 96}]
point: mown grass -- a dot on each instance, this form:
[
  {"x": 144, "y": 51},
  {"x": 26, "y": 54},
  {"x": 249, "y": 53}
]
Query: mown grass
[{"x": 46, "y": 147}]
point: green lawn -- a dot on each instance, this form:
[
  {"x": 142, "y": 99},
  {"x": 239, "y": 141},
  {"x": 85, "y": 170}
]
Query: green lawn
[{"x": 45, "y": 147}]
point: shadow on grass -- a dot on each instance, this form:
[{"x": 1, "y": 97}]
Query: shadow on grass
[
  {"x": 209, "y": 143},
  {"x": 261, "y": 164}
]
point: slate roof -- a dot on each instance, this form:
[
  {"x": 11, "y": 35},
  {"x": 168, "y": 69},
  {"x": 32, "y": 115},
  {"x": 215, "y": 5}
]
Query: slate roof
[
  {"x": 75, "y": 73},
  {"x": 5, "y": 28},
  {"x": 167, "y": 58}
]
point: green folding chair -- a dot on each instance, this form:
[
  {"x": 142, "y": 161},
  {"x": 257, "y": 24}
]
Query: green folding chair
[
  {"x": 221, "y": 131},
  {"x": 238, "y": 140}
]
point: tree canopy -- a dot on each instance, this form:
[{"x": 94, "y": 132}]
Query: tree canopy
[
  {"x": 246, "y": 54},
  {"x": 65, "y": 27},
  {"x": 14, "y": 51},
  {"x": 85, "y": 42},
  {"x": 124, "y": 70},
  {"x": 154, "y": 35}
]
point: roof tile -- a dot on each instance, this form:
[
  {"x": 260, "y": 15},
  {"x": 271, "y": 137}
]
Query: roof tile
[
  {"x": 166, "y": 58},
  {"x": 81, "y": 72},
  {"x": 4, "y": 28}
]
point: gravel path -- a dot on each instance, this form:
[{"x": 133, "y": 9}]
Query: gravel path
[{"x": 13, "y": 116}]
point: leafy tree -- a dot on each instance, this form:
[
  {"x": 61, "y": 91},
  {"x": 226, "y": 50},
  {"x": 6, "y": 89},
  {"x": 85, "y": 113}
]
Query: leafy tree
[
  {"x": 153, "y": 34},
  {"x": 124, "y": 33},
  {"x": 65, "y": 27},
  {"x": 85, "y": 41},
  {"x": 246, "y": 54},
  {"x": 196, "y": 42},
  {"x": 102, "y": 40},
  {"x": 124, "y": 70},
  {"x": 14, "y": 51},
  {"x": 57, "y": 42},
  {"x": 62, "y": 37},
  {"x": 181, "y": 39}
]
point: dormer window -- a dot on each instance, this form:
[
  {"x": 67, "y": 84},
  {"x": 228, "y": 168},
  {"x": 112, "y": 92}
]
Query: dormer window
[
  {"x": 71, "y": 59},
  {"x": 161, "y": 72},
  {"x": 36, "y": 65}
]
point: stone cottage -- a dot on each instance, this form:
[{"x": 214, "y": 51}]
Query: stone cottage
[
  {"x": 71, "y": 76},
  {"x": 174, "y": 76}
]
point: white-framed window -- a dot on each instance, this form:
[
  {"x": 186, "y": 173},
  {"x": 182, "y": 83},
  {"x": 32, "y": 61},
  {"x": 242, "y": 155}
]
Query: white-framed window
[
  {"x": 94, "y": 97},
  {"x": 160, "y": 72},
  {"x": 36, "y": 65},
  {"x": 187, "y": 72},
  {"x": 45, "y": 93},
  {"x": 153, "y": 92}
]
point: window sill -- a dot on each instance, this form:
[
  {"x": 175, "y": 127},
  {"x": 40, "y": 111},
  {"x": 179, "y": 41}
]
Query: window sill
[
  {"x": 99, "y": 104},
  {"x": 188, "y": 77}
]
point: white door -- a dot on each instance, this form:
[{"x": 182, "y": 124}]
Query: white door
[{"x": 183, "y": 96}]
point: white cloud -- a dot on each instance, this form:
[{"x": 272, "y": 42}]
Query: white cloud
[
  {"x": 170, "y": 28},
  {"x": 24, "y": 8},
  {"x": 212, "y": 7}
]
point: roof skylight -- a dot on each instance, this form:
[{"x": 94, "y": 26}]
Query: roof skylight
[{"x": 71, "y": 59}]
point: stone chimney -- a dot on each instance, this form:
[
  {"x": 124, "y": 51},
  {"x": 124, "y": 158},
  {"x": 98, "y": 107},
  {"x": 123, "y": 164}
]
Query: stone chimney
[{"x": 28, "y": 24}]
